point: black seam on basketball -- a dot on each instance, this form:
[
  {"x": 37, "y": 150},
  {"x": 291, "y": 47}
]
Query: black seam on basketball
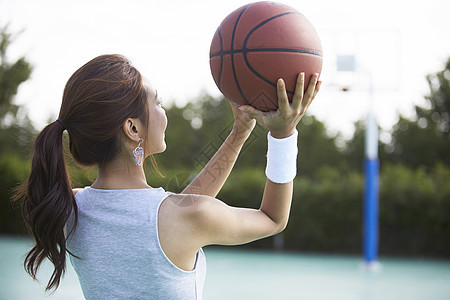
[
  {"x": 221, "y": 59},
  {"x": 267, "y": 21},
  {"x": 289, "y": 50},
  {"x": 262, "y": 77},
  {"x": 245, "y": 50},
  {"x": 232, "y": 53}
]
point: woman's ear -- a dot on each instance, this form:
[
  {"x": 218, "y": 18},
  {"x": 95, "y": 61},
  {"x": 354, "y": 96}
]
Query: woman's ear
[{"x": 131, "y": 129}]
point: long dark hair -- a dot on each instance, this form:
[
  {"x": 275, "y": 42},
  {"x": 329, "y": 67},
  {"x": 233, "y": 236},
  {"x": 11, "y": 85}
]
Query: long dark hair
[{"x": 97, "y": 100}]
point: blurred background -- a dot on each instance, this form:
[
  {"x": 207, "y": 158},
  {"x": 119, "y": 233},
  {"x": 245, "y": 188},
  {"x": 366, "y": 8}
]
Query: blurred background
[{"x": 400, "y": 53}]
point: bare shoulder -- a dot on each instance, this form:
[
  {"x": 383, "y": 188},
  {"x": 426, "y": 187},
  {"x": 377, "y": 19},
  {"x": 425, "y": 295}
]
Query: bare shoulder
[
  {"x": 194, "y": 211},
  {"x": 75, "y": 191},
  {"x": 197, "y": 217},
  {"x": 181, "y": 227},
  {"x": 193, "y": 204}
]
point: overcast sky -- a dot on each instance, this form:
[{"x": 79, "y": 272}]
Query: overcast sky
[{"x": 398, "y": 42}]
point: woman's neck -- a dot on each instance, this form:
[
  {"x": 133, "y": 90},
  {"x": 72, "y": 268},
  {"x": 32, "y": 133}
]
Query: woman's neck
[{"x": 120, "y": 174}]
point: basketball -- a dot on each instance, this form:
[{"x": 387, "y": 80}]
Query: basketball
[{"x": 256, "y": 45}]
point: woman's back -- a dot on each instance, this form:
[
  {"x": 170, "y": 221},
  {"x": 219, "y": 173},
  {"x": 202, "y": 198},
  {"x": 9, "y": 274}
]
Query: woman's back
[{"x": 120, "y": 256}]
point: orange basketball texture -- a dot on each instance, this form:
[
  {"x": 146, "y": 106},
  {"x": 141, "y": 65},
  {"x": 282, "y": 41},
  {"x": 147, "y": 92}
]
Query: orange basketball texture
[{"x": 256, "y": 45}]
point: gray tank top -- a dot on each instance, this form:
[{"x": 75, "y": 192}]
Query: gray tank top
[{"x": 120, "y": 256}]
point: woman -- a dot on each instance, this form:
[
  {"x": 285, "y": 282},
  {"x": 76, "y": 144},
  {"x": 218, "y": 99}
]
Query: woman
[{"x": 128, "y": 240}]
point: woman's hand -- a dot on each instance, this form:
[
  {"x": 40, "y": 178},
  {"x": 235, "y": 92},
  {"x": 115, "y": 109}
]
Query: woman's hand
[
  {"x": 242, "y": 121},
  {"x": 282, "y": 122}
]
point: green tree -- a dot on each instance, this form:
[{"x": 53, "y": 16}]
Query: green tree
[
  {"x": 12, "y": 74},
  {"x": 425, "y": 141},
  {"x": 16, "y": 132},
  {"x": 354, "y": 150},
  {"x": 439, "y": 100},
  {"x": 317, "y": 148}
]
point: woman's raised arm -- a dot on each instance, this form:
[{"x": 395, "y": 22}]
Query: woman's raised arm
[{"x": 214, "y": 222}]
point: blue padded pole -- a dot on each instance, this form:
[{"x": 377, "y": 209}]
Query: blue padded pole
[
  {"x": 370, "y": 211},
  {"x": 371, "y": 192}
]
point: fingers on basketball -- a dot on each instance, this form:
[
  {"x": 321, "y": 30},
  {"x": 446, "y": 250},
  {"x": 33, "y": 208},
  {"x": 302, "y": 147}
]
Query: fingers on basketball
[
  {"x": 251, "y": 112},
  {"x": 298, "y": 94},
  {"x": 311, "y": 92},
  {"x": 283, "y": 100}
]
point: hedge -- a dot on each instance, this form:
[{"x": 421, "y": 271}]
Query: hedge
[{"x": 326, "y": 210}]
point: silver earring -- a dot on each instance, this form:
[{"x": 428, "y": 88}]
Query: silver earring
[{"x": 138, "y": 153}]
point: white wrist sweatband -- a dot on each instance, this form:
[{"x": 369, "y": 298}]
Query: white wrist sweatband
[{"x": 282, "y": 158}]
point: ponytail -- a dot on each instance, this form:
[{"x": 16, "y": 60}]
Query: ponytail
[{"x": 47, "y": 202}]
